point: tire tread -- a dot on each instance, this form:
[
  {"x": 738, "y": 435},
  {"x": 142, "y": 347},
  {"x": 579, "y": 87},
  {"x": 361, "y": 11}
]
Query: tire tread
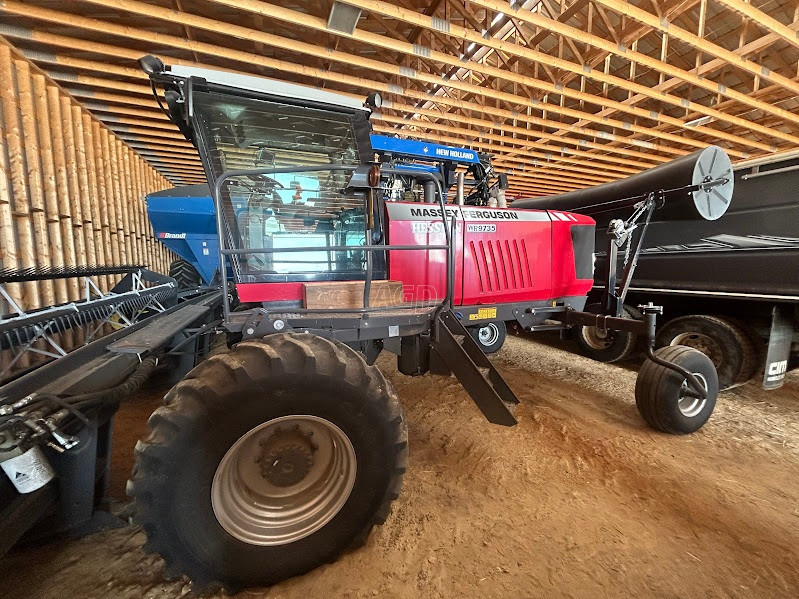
[{"x": 192, "y": 402}]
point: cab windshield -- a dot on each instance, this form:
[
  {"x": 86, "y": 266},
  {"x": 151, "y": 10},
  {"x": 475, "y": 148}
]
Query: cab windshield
[{"x": 286, "y": 208}]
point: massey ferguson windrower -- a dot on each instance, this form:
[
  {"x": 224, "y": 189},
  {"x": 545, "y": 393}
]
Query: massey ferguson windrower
[{"x": 273, "y": 458}]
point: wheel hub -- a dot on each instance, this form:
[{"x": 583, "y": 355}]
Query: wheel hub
[
  {"x": 286, "y": 458},
  {"x": 488, "y": 334},
  {"x": 691, "y": 406},
  {"x": 707, "y": 345},
  {"x": 283, "y": 480},
  {"x": 597, "y": 338}
]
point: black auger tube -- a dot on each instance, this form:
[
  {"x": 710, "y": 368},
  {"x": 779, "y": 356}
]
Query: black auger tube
[{"x": 675, "y": 183}]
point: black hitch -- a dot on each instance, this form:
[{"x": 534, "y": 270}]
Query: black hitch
[{"x": 645, "y": 328}]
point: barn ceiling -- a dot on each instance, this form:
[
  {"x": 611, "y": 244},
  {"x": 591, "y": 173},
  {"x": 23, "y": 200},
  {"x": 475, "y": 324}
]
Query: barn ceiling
[{"x": 563, "y": 94}]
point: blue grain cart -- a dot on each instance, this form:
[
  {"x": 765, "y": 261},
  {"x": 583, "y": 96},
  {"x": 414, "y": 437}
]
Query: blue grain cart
[{"x": 184, "y": 220}]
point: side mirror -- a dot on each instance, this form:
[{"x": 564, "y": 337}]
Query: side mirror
[
  {"x": 502, "y": 179},
  {"x": 151, "y": 65}
]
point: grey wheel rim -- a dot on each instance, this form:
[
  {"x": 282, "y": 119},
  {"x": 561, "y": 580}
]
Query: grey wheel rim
[
  {"x": 691, "y": 406},
  {"x": 707, "y": 345},
  {"x": 597, "y": 338},
  {"x": 488, "y": 334},
  {"x": 283, "y": 480}
]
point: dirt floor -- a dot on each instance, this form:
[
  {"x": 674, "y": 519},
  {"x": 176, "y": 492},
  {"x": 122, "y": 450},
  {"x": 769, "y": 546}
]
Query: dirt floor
[{"x": 579, "y": 500}]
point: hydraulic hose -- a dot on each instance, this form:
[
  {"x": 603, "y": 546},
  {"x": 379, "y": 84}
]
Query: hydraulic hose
[{"x": 127, "y": 387}]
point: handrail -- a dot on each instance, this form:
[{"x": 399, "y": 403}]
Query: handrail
[
  {"x": 448, "y": 234},
  {"x": 334, "y": 248}
]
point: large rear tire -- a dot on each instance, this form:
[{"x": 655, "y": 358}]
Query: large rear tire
[
  {"x": 662, "y": 397},
  {"x": 185, "y": 274},
  {"x": 725, "y": 342},
  {"x": 268, "y": 461}
]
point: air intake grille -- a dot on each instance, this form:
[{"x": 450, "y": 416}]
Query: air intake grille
[{"x": 502, "y": 265}]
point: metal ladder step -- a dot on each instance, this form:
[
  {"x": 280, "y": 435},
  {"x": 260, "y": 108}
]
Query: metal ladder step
[{"x": 461, "y": 354}]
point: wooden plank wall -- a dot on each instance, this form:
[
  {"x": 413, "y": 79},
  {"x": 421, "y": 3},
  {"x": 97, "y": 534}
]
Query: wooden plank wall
[{"x": 71, "y": 192}]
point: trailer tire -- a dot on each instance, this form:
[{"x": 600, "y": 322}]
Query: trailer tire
[
  {"x": 211, "y": 479},
  {"x": 731, "y": 349},
  {"x": 185, "y": 274},
  {"x": 607, "y": 346},
  {"x": 659, "y": 391},
  {"x": 490, "y": 336}
]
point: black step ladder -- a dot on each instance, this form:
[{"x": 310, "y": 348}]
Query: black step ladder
[{"x": 464, "y": 358}]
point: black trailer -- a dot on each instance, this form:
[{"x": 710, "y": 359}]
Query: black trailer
[{"x": 729, "y": 287}]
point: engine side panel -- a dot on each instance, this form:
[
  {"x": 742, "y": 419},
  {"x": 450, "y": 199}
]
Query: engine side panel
[
  {"x": 506, "y": 256},
  {"x": 572, "y": 249},
  {"x": 423, "y": 272},
  {"x": 502, "y": 255}
]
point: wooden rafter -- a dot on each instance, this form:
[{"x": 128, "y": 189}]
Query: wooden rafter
[
  {"x": 535, "y": 55},
  {"x": 763, "y": 19},
  {"x": 564, "y": 94},
  {"x": 285, "y": 66},
  {"x": 320, "y": 24}
]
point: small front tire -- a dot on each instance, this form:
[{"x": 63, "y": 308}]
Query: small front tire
[
  {"x": 662, "y": 395},
  {"x": 490, "y": 336},
  {"x": 607, "y": 346}
]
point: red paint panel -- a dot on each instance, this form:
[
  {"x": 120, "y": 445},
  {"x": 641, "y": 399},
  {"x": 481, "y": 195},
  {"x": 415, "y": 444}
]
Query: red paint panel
[
  {"x": 508, "y": 264},
  {"x": 269, "y": 292},
  {"x": 564, "y": 279},
  {"x": 423, "y": 272}
]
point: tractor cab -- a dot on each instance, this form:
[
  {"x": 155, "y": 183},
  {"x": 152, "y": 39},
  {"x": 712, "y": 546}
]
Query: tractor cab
[{"x": 312, "y": 153}]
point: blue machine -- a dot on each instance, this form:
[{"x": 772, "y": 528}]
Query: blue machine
[
  {"x": 422, "y": 150},
  {"x": 184, "y": 219}
]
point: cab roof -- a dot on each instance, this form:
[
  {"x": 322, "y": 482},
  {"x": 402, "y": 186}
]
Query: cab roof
[{"x": 268, "y": 86}]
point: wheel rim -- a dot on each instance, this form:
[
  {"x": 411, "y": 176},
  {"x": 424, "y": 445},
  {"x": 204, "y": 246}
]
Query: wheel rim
[
  {"x": 488, "y": 335},
  {"x": 283, "y": 480},
  {"x": 707, "y": 345},
  {"x": 596, "y": 338},
  {"x": 691, "y": 406}
]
